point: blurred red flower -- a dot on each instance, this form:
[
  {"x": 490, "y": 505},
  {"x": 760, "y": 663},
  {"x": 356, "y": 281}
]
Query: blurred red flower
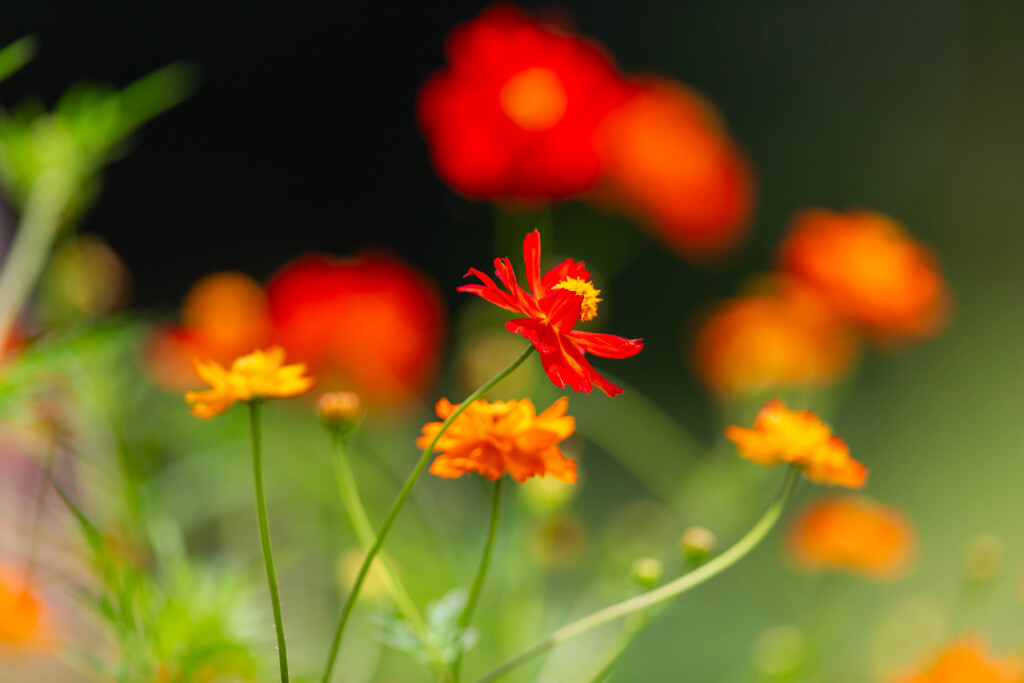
[
  {"x": 669, "y": 161},
  {"x": 556, "y": 302},
  {"x": 874, "y": 274},
  {"x": 369, "y": 323},
  {"x": 515, "y": 113}
]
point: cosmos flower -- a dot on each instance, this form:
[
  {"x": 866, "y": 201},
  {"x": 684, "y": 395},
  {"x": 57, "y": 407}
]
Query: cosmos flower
[
  {"x": 515, "y": 113},
  {"x": 504, "y": 436},
  {"x": 854, "y": 534},
  {"x": 798, "y": 437},
  {"x": 779, "y": 336},
  {"x": 967, "y": 661},
  {"x": 557, "y": 301},
  {"x": 22, "y": 611},
  {"x": 870, "y": 270},
  {"x": 258, "y": 375},
  {"x": 369, "y": 323},
  {"x": 669, "y": 162}
]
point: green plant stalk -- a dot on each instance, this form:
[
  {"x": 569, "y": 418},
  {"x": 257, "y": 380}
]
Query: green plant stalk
[
  {"x": 478, "y": 581},
  {"x": 396, "y": 507},
  {"x": 707, "y": 571},
  {"x": 606, "y": 665},
  {"x": 38, "y": 226},
  {"x": 268, "y": 555},
  {"x": 353, "y": 503}
]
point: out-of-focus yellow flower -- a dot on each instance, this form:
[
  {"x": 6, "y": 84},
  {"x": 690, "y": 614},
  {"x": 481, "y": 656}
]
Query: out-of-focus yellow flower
[
  {"x": 866, "y": 265},
  {"x": 783, "y": 335},
  {"x": 503, "y": 436},
  {"x": 854, "y": 534},
  {"x": 798, "y": 437},
  {"x": 258, "y": 375},
  {"x": 22, "y": 623},
  {"x": 967, "y": 661}
]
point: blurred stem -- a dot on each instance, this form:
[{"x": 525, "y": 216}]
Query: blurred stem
[
  {"x": 37, "y": 228},
  {"x": 478, "y": 581},
  {"x": 268, "y": 555},
  {"x": 364, "y": 532},
  {"x": 604, "y": 667},
  {"x": 38, "y": 504},
  {"x": 709, "y": 570},
  {"x": 396, "y": 506}
]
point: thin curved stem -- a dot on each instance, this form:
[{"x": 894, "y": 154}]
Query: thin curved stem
[
  {"x": 357, "y": 516},
  {"x": 268, "y": 555},
  {"x": 712, "y": 568},
  {"x": 478, "y": 581},
  {"x": 606, "y": 665},
  {"x": 399, "y": 501}
]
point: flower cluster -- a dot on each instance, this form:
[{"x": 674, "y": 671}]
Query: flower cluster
[
  {"x": 854, "y": 534},
  {"x": 798, "y": 437},
  {"x": 527, "y": 110},
  {"x": 558, "y": 300},
  {"x": 307, "y": 309},
  {"x": 504, "y": 436}
]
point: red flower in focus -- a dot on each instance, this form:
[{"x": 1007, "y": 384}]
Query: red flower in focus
[
  {"x": 668, "y": 160},
  {"x": 870, "y": 270},
  {"x": 516, "y": 111},
  {"x": 369, "y": 323},
  {"x": 224, "y": 316},
  {"x": 559, "y": 299}
]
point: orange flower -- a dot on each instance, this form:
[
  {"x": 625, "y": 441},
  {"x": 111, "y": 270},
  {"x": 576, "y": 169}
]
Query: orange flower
[
  {"x": 854, "y": 534},
  {"x": 499, "y": 437},
  {"x": 516, "y": 111},
  {"x": 869, "y": 269},
  {"x": 22, "y": 612},
  {"x": 769, "y": 339},
  {"x": 369, "y": 323},
  {"x": 668, "y": 159},
  {"x": 968, "y": 661},
  {"x": 798, "y": 437},
  {"x": 557, "y": 301},
  {"x": 224, "y": 316},
  {"x": 258, "y": 375}
]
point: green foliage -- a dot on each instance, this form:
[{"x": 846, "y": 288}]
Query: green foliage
[
  {"x": 443, "y": 642},
  {"x": 16, "y": 55},
  {"x": 88, "y": 128}
]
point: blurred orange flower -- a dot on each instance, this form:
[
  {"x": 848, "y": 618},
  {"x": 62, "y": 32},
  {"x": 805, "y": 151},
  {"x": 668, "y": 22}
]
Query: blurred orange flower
[
  {"x": 556, "y": 302},
  {"x": 784, "y": 336},
  {"x": 967, "y": 661},
  {"x": 868, "y": 268},
  {"x": 798, "y": 437},
  {"x": 855, "y": 534},
  {"x": 258, "y": 375},
  {"x": 669, "y": 161},
  {"x": 225, "y": 315},
  {"x": 22, "y": 612},
  {"x": 370, "y": 323},
  {"x": 504, "y": 436},
  {"x": 514, "y": 115}
]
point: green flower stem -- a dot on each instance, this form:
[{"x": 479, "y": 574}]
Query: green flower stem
[
  {"x": 399, "y": 501},
  {"x": 364, "y": 532},
  {"x": 268, "y": 555},
  {"x": 37, "y": 228},
  {"x": 478, "y": 581},
  {"x": 630, "y": 630},
  {"x": 712, "y": 568}
]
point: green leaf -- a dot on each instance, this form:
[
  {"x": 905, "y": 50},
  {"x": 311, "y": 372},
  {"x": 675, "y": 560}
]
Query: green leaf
[{"x": 16, "y": 55}]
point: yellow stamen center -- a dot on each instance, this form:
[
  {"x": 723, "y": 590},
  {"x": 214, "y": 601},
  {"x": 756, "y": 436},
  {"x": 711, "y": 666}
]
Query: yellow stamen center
[
  {"x": 585, "y": 288},
  {"x": 534, "y": 98}
]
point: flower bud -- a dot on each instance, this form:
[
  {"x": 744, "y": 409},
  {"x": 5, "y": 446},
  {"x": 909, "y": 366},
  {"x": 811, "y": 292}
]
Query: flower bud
[
  {"x": 697, "y": 544},
  {"x": 340, "y": 412},
  {"x": 983, "y": 559},
  {"x": 647, "y": 571}
]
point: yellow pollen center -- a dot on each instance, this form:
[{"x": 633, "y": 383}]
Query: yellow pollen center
[
  {"x": 585, "y": 288},
  {"x": 534, "y": 98}
]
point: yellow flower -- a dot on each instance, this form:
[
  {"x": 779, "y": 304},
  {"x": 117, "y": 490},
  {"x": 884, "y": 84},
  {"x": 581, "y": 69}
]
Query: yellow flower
[
  {"x": 258, "y": 375},
  {"x": 499, "y": 437}
]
